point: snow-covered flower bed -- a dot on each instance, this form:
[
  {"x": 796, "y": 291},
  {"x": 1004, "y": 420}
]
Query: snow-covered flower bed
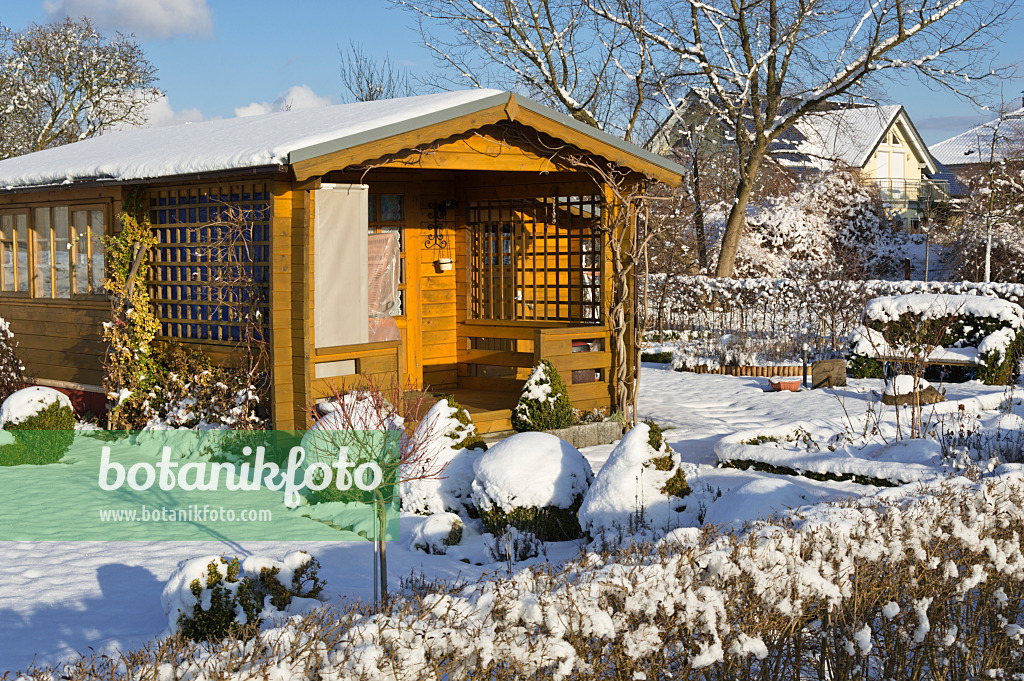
[{"x": 874, "y": 449}]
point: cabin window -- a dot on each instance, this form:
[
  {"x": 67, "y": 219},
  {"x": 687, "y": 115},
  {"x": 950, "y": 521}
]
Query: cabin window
[
  {"x": 536, "y": 259},
  {"x": 211, "y": 264},
  {"x": 14, "y": 267},
  {"x": 387, "y": 253},
  {"x": 66, "y": 251}
]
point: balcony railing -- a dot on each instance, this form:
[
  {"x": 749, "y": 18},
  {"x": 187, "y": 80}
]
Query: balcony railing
[{"x": 910, "y": 193}]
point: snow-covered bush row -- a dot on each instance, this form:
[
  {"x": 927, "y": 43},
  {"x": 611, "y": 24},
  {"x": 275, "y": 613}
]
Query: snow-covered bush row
[
  {"x": 918, "y": 582},
  {"x": 939, "y": 327},
  {"x": 819, "y": 312}
]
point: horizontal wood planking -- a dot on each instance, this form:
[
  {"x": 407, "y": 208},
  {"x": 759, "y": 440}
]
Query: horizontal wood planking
[
  {"x": 496, "y": 384},
  {"x": 60, "y": 340},
  {"x": 501, "y": 359}
]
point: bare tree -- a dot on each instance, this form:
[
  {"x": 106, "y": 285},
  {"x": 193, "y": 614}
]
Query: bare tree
[
  {"x": 368, "y": 80},
  {"x": 64, "y": 82},
  {"x": 556, "y": 51},
  {"x": 756, "y": 66},
  {"x": 765, "y": 64}
]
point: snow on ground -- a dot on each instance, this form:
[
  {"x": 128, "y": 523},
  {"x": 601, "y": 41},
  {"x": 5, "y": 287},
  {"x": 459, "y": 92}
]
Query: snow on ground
[{"x": 60, "y": 597}]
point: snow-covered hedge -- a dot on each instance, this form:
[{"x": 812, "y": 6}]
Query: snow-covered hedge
[
  {"x": 930, "y": 578},
  {"x": 534, "y": 482},
  {"x": 925, "y": 327},
  {"x": 819, "y": 312}
]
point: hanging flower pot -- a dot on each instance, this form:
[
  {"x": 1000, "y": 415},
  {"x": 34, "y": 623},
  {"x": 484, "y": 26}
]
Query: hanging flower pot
[{"x": 443, "y": 264}]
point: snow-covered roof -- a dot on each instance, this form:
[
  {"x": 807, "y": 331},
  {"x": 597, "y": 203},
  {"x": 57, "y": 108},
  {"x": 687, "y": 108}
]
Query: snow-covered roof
[
  {"x": 848, "y": 135},
  {"x": 975, "y": 145},
  {"x": 837, "y": 133},
  {"x": 266, "y": 140}
]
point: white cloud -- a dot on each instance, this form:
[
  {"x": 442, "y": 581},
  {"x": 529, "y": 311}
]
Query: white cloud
[
  {"x": 146, "y": 18},
  {"x": 161, "y": 113},
  {"x": 297, "y": 97}
]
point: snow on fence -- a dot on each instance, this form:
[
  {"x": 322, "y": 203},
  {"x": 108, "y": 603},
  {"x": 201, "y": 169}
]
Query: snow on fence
[{"x": 785, "y": 313}]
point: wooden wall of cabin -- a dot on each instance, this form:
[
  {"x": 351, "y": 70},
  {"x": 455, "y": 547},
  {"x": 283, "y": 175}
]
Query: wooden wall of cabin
[{"x": 60, "y": 340}]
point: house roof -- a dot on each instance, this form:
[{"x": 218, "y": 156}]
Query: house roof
[
  {"x": 848, "y": 135},
  {"x": 289, "y": 137},
  {"x": 840, "y": 133},
  {"x": 975, "y": 145}
]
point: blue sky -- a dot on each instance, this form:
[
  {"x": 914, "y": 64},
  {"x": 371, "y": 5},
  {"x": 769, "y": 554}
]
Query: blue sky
[{"x": 216, "y": 58}]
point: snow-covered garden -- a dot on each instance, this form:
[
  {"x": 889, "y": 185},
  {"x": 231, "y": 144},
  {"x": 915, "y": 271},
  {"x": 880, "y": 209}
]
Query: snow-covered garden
[{"x": 795, "y": 513}]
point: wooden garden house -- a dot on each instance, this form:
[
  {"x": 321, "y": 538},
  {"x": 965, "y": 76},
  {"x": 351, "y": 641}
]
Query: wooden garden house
[{"x": 450, "y": 239}]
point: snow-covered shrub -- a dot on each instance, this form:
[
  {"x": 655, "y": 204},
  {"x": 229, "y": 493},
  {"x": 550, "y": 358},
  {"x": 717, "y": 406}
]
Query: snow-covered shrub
[
  {"x": 436, "y": 533},
  {"x": 12, "y": 371},
  {"x": 42, "y": 421},
  {"x": 534, "y": 482},
  {"x": 544, "y": 403},
  {"x": 37, "y": 407},
  {"x": 512, "y": 545},
  {"x": 211, "y": 598},
  {"x": 641, "y": 484},
  {"x": 447, "y": 438},
  {"x": 187, "y": 390},
  {"x": 830, "y": 222},
  {"x": 922, "y": 327}
]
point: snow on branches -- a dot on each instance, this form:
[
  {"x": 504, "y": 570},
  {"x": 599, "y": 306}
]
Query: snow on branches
[{"x": 64, "y": 82}]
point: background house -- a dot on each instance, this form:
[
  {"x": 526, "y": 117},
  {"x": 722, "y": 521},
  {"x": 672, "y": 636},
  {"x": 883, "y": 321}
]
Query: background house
[
  {"x": 997, "y": 140},
  {"x": 879, "y": 142},
  {"x": 448, "y": 239}
]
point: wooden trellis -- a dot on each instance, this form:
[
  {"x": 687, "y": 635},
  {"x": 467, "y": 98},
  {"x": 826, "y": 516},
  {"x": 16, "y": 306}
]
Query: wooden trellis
[
  {"x": 187, "y": 274},
  {"x": 536, "y": 259}
]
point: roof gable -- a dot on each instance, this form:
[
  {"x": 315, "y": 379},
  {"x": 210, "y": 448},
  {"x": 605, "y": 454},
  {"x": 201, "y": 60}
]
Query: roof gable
[{"x": 841, "y": 133}]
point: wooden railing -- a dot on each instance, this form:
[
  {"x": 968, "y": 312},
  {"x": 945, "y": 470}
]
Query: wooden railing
[
  {"x": 346, "y": 366},
  {"x": 498, "y": 356}
]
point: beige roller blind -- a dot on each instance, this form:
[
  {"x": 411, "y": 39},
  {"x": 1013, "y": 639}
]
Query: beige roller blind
[{"x": 340, "y": 301}]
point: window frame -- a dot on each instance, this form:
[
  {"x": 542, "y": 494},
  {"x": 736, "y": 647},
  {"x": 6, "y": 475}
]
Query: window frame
[
  {"x": 375, "y": 225},
  {"x": 89, "y": 207},
  {"x": 27, "y": 213}
]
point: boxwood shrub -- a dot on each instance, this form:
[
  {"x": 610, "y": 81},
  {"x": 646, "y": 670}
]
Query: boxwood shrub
[{"x": 544, "y": 403}]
